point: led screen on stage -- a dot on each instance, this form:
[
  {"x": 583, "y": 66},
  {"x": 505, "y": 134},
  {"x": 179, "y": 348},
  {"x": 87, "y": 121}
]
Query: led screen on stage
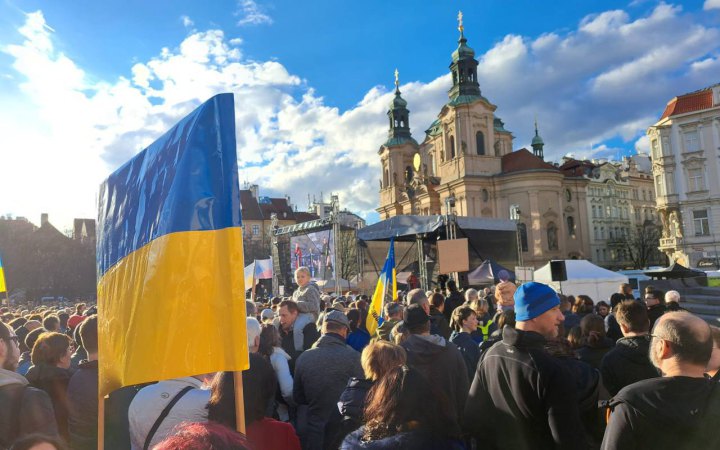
[{"x": 316, "y": 251}]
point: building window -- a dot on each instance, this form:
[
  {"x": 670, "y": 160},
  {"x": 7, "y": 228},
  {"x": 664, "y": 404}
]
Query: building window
[
  {"x": 480, "y": 142},
  {"x": 256, "y": 230},
  {"x": 602, "y": 232},
  {"x": 452, "y": 147},
  {"x": 702, "y": 225},
  {"x": 696, "y": 181},
  {"x": 596, "y": 233},
  {"x": 571, "y": 226},
  {"x": 552, "y": 236},
  {"x": 659, "y": 185},
  {"x": 597, "y": 253},
  {"x": 655, "y": 152},
  {"x": 691, "y": 141},
  {"x": 485, "y": 195},
  {"x": 522, "y": 229},
  {"x": 594, "y": 211}
]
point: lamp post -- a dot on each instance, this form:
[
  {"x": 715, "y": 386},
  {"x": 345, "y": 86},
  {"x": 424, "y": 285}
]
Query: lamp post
[
  {"x": 515, "y": 216},
  {"x": 450, "y": 231}
]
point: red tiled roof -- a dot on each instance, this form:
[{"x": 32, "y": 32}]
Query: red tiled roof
[
  {"x": 522, "y": 160},
  {"x": 695, "y": 101},
  {"x": 576, "y": 168}
]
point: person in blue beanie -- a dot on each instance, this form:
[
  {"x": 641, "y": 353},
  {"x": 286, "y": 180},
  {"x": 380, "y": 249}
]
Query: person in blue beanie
[{"x": 522, "y": 397}]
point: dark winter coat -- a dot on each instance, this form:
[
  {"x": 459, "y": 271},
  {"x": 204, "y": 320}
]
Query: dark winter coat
[
  {"x": 24, "y": 363},
  {"x": 83, "y": 406},
  {"x": 24, "y": 410},
  {"x": 441, "y": 323},
  {"x": 654, "y": 313},
  {"x": 593, "y": 355},
  {"x": 675, "y": 413},
  {"x": 321, "y": 375},
  {"x": 452, "y": 301},
  {"x": 469, "y": 349},
  {"x": 523, "y": 398},
  {"x": 352, "y": 405},
  {"x": 53, "y": 380},
  {"x": 415, "y": 440},
  {"x": 287, "y": 342},
  {"x": 571, "y": 320},
  {"x": 443, "y": 366},
  {"x": 612, "y": 327},
  {"x": 627, "y": 363}
]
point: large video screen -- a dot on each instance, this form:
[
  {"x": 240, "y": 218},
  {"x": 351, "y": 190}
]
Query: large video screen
[{"x": 316, "y": 251}]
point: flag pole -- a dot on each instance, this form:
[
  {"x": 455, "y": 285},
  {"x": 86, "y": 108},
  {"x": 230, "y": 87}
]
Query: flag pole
[
  {"x": 252, "y": 293},
  {"x": 239, "y": 402},
  {"x": 101, "y": 423}
]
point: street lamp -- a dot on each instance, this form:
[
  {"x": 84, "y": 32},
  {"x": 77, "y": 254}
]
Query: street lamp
[{"x": 515, "y": 217}]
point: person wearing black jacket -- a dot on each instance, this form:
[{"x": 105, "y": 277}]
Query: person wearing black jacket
[
  {"x": 628, "y": 362},
  {"x": 24, "y": 410},
  {"x": 522, "y": 397},
  {"x": 655, "y": 302},
  {"x": 464, "y": 322},
  {"x": 453, "y": 299},
  {"x": 679, "y": 411},
  {"x": 82, "y": 391}
]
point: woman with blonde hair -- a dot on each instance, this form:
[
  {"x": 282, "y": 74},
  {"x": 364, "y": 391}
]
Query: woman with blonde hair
[{"x": 377, "y": 359}]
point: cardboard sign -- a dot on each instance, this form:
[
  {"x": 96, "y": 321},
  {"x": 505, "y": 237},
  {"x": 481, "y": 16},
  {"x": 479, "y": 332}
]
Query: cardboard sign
[{"x": 453, "y": 256}]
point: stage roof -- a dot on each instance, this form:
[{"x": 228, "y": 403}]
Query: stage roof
[{"x": 406, "y": 227}]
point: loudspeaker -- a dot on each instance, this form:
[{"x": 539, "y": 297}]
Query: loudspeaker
[{"x": 557, "y": 270}]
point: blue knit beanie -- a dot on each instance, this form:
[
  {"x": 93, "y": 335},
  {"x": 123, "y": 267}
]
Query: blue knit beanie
[{"x": 532, "y": 299}]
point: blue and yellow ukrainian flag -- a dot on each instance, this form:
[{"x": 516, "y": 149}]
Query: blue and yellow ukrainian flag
[
  {"x": 386, "y": 287},
  {"x": 3, "y": 287},
  {"x": 171, "y": 294}
]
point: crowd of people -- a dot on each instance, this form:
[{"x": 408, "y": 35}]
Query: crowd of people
[{"x": 506, "y": 367}]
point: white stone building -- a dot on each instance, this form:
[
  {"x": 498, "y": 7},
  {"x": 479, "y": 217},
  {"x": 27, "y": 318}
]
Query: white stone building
[{"x": 685, "y": 152}]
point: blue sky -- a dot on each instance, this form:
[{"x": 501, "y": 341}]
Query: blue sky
[{"x": 84, "y": 85}]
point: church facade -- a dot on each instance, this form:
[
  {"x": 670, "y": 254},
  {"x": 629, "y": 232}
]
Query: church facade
[{"x": 467, "y": 155}]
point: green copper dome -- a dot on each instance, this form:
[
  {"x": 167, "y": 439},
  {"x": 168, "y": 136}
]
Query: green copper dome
[
  {"x": 398, "y": 101},
  {"x": 537, "y": 140},
  {"x": 463, "y": 51}
]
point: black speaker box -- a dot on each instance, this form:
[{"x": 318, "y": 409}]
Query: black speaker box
[{"x": 558, "y": 271}]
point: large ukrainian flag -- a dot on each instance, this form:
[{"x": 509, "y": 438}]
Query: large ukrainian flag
[
  {"x": 386, "y": 286},
  {"x": 171, "y": 294}
]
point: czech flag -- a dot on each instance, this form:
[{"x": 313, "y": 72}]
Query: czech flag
[
  {"x": 386, "y": 290},
  {"x": 171, "y": 295}
]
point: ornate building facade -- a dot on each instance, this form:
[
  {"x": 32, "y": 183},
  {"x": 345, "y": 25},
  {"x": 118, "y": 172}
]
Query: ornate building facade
[
  {"x": 467, "y": 155},
  {"x": 620, "y": 208},
  {"x": 685, "y": 151}
]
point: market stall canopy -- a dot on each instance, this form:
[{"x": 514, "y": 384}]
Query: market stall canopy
[
  {"x": 583, "y": 278},
  {"x": 487, "y": 273},
  {"x": 675, "y": 271}
]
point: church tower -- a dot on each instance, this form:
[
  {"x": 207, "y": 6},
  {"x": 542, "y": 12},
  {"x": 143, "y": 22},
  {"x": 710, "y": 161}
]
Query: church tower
[
  {"x": 463, "y": 68},
  {"x": 396, "y": 157},
  {"x": 537, "y": 143}
]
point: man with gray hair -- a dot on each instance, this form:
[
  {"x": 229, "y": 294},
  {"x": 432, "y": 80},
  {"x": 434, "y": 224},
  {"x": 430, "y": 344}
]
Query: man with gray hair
[
  {"x": 672, "y": 301},
  {"x": 681, "y": 410},
  {"x": 418, "y": 297},
  {"x": 392, "y": 313}
]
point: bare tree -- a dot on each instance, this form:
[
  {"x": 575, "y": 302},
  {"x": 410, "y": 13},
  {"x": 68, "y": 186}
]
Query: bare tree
[
  {"x": 641, "y": 245},
  {"x": 347, "y": 251}
]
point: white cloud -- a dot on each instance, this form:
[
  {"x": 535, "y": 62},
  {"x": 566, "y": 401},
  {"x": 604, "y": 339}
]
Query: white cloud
[
  {"x": 609, "y": 78},
  {"x": 251, "y": 14},
  {"x": 711, "y": 4},
  {"x": 186, "y": 21}
]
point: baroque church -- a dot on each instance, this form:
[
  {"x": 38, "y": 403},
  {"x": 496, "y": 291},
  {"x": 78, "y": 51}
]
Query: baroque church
[{"x": 467, "y": 154}]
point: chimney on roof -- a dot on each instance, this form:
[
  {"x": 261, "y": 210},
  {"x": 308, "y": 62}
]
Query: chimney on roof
[
  {"x": 44, "y": 219},
  {"x": 254, "y": 190}
]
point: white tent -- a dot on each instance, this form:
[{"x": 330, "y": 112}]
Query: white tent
[{"x": 584, "y": 277}]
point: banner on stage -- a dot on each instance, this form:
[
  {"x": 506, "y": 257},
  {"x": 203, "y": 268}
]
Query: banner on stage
[{"x": 453, "y": 256}]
